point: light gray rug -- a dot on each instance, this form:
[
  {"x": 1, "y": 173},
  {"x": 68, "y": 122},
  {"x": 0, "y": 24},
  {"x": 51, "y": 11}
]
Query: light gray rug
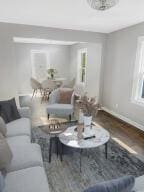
[{"x": 65, "y": 176}]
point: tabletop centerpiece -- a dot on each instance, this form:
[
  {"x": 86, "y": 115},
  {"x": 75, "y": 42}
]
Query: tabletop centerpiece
[
  {"x": 52, "y": 72},
  {"x": 89, "y": 108}
]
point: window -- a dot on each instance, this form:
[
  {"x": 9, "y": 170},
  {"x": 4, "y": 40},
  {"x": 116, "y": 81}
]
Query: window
[
  {"x": 138, "y": 83},
  {"x": 40, "y": 64},
  {"x": 82, "y": 63}
]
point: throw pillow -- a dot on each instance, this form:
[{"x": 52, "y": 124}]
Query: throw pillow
[
  {"x": 124, "y": 184},
  {"x": 2, "y": 182},
  {"x": 5, "y": 153},
  {"x": 3, "y": 128},
  {"x": 9, "y": 111},
  {"x": 65, "y": 96}
]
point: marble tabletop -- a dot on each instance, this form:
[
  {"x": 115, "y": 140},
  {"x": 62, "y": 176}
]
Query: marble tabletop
[{"x": 69, "y": 137}]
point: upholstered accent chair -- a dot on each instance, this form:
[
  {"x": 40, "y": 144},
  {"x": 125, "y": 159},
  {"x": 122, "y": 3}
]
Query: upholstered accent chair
[{"x": 60, "y": 109}]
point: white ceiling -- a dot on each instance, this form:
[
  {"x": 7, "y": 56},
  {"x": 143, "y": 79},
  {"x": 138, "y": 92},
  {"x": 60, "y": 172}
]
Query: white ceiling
[{"x": 72, "y": 14}]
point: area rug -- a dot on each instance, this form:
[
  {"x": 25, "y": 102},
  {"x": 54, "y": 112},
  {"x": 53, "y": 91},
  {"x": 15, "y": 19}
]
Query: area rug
[{"x": 65, "y": 176}]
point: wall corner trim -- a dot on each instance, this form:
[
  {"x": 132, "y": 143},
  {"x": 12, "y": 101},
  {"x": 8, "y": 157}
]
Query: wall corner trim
[{"x": 123, "y": 118}]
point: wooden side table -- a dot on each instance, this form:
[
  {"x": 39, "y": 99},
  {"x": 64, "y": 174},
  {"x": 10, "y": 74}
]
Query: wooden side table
[{"x": 54, "y": 129}]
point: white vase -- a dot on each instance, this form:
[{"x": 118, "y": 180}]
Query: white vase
[
  {"x": 87, "y": 121},
  {"x": 81, "y": 117}
]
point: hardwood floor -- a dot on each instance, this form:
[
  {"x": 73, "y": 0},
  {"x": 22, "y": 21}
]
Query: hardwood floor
[{"x": 126, "y": 135}]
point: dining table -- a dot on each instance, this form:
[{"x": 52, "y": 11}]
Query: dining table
[{"x": 58, "y": 80}]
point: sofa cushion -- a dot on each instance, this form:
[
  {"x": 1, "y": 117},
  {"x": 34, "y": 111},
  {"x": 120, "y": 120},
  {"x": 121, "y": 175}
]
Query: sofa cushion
[
  {"x": 20, "y": 126},
  {"x": 65, "y": 95},
  {"x": 5, "y": 153},
  {"x": 139, "y": 184},
  {"x": 24, "y": 156},
  {"x": 17, "y": 140},
  {"x": 3, "y": 128},
  {"x": 27, "y": 180},
  {"x": 2, "y": 182},
  {"x": 123, "y": 184},
  {"x": 25, "y": 112},
  {"x": 8, "y": 110}
]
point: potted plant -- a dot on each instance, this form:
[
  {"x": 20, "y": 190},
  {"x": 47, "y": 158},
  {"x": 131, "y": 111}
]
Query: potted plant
[
  {"x": 52, "y": 72},
  {"x": 89, "y": 107}
]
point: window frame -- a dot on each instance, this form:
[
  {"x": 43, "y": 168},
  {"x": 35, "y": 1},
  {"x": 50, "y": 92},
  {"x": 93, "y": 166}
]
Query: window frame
[
  {"x": 81, "y": 51},
  {"x": 138, "y": 78}
]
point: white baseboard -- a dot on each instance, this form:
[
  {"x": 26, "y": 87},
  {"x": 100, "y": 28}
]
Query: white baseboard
[{"x": 127, "y": 120}]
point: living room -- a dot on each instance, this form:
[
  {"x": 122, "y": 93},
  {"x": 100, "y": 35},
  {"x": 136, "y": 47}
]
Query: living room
[{"x": 48, "y": 33}]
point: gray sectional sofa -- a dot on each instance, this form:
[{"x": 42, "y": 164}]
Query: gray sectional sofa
[{"x": 25, "y": 172}]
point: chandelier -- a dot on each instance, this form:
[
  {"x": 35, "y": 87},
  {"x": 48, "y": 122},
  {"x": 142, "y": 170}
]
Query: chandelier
[{"x": 102, "y": 4}]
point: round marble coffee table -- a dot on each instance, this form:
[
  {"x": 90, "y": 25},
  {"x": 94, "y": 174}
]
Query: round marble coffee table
[{"x": 69, "y": 138}]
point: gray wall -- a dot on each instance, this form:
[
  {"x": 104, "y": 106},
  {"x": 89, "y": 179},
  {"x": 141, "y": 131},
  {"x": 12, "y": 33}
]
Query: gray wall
[
  {"x": 119, "y": 60},
  {"x": 118, "y": 73},
  {"x": 93, "y": 68},
  {"x": 62, "y": 58},
  {"x": 8, "y": 72},
  {"x": 59, "y": 59}
]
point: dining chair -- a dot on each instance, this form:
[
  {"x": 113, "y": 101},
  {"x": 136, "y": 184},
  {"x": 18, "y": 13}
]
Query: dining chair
[
  {"x": 47, "y": 87},
  {"x": 36, "y": 85}
]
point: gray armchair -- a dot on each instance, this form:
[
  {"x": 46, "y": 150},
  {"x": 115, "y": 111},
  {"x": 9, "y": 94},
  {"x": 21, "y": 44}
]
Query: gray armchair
[{"x": 56, "y": 108}]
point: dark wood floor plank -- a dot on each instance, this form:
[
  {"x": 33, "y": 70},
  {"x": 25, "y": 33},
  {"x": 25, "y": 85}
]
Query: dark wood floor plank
[{"x": 128, "y": 134}]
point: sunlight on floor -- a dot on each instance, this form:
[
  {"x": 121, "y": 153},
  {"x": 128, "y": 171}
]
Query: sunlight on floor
[{"x": 124, "y": 145}]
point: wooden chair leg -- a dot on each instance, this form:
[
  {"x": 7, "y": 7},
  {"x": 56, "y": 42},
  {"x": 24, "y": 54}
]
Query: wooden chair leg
[
  {"x": 47, "y": 95},
  {"x": 43, "y": 96},
  {"x": 41, "y": 92},
  {"x": 33, "y": 94}
]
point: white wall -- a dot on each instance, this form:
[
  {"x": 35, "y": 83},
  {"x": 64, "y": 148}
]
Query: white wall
[
  {"x": 118, "y": 73},
  {"x": 93, "y": 69},
  {"x": 8, "y": 79},
  {"x": 59, "y": 56},
  {"x": 8, "y": 71}
]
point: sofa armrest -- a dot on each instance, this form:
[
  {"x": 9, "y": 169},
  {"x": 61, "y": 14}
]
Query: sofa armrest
[
  {"x": 139, "y": 184},
  {"x": 25, "y": 112}
]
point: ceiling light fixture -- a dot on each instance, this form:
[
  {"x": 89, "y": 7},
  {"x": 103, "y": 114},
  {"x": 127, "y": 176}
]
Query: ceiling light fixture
[{"x": 102, "y": 4}]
